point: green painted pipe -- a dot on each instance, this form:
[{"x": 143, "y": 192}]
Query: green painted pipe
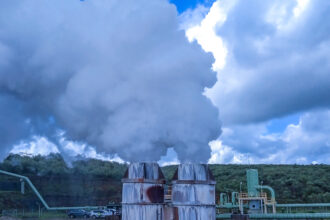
[
  {"x": 304, "y": 205},
  {"x": 271, "y": 190},
  {"x": 223, "y": 216},
  {"x": 234, "y": 197},
  {"x": 283, "y": 205},
  {"x": 281, "y": 216},
  {"x": 26, "y": 179},
  {"x": 290, "y": 216},
  {"x": 223, "y": 198}
]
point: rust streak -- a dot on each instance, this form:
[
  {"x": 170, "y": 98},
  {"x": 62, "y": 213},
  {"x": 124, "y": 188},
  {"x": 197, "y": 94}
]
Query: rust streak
[{"x": 156, "y": 194}]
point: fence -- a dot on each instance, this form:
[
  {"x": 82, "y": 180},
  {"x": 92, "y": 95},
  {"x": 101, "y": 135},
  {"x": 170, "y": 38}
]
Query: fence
[{"x": 33, "y": 213}]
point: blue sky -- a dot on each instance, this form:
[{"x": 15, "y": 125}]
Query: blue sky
[
  {"x": 183, "y": 5},
  {"x": 221, "y": 81},
  {"x": 278, "y": 125}
]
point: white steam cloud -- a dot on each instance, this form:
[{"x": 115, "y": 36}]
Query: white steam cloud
[{"x": 118, "y": 75}]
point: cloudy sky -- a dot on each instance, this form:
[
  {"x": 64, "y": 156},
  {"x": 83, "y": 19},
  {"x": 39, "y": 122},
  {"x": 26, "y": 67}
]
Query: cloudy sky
[
  {"x": 273, "y": 88},
  {"x": 160, "y": 80}
]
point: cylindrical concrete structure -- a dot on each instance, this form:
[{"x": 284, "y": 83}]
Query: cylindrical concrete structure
[
  {"x": 143, "y": 192},
  {"x": 193, "y": 192}
]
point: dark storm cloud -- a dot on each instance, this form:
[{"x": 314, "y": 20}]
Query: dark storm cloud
[{"x": 118, "y": 75}]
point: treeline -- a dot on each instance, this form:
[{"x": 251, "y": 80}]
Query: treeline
[
  {"x": 54, "y": 165},
  {"x": 292, "y": 183},
  {"x": 78, "y": 183},
  {"x": 96, "y": 182}
]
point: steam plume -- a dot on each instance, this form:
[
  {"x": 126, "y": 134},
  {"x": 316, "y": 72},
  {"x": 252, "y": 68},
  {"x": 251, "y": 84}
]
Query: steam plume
[{"x": 118, "y": 75}]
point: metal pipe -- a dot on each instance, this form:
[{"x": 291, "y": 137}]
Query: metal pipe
[
  {"x": 271, "y": 190},
  {"x": 290, "y": 216},
  {"x": 304, "y": 205},
  {"x": 229, "y": 206},
  {"x": 283, "y": 205},
  {"x": 281, "y": 216},
  {"x": 223, "y": 198},
  {"x": 223, "y": 216},
  {"x": 22, "y": 186},
  {"x": 34, "y": 189},
  {"x": 234, "y": 197},
  {"x": 30, "y": 184}
]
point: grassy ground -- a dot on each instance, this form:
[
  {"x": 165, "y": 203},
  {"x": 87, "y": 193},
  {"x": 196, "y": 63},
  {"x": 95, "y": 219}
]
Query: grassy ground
[{"x": 35, "y": 215}]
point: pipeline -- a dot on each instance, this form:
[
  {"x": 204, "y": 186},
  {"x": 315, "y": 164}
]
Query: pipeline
[
  {"x": 44, "y": 203},
  {"x": 229, "y": 206},
  {"x": 234, "y": 197},
  {"x": 223, "y": 198},
  {"x": 290, "y": 216},
  {"x": 281, "y": 216},
  {"x": 304, "y": 205},
  {"x": 271, "y": 190}
]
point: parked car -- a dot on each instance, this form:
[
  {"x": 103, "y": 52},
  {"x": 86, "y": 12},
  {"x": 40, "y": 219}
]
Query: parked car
[
  {"x": 97, "y": 214},
  {"x": 115, "y": 207},
  {"x": 78, "y": 213},
  {"x": 110, "y": 212}
]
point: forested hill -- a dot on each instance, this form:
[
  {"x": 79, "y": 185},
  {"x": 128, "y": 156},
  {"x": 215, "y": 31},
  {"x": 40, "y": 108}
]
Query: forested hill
[
  {"x": 96, "y": 182},
  {"x": 292, "y": 183}
]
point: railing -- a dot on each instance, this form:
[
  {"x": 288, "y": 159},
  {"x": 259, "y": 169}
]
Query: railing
[
  {"x": 243, "y": 195},
  {"x": 168, "y": 195},
  {"x": 263, "y": 194},
  {"x": 246, "y": 195}
]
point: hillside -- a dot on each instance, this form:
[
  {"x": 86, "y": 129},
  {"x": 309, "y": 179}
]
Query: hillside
[{"x": 96, "y": 182}]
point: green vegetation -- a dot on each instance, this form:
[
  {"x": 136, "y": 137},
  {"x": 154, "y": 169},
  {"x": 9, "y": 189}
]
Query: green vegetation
[
  {"x": 292, "y": 183},
  {"x": 83, "y": 182},
  {"x": 96, "y": 182}
]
